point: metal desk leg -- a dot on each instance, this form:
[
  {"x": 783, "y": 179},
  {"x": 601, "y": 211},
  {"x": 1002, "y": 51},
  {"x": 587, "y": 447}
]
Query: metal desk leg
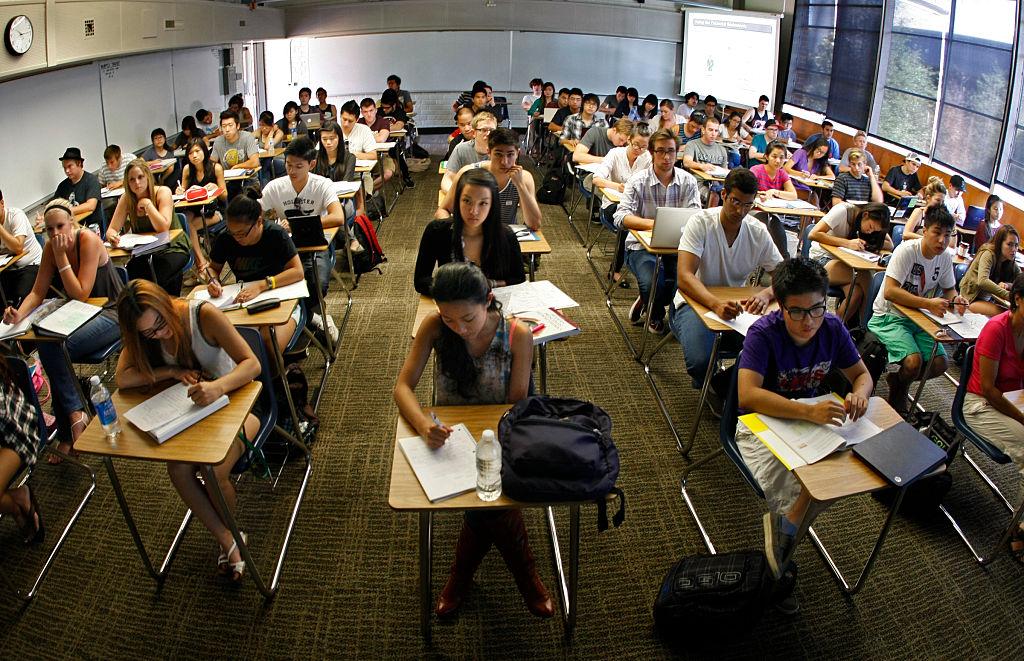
[
  {"x": 650, "y": 306},
  {"x": 279, "y": 359},
  {"x": 689, "y": 503},
  {"x": 383, "y": 189},
  {"x": 426, "y": 560},
  {"x": 609, "y": 289},
  {"x": 849, "y": 297},
  {"x": 542, "y": 351},
  {"x": 533, "y": 266},
  {"x": 925, "y": 368},
  {"x": 566, "y": 589},
  {"x": 703, "y": 394}
]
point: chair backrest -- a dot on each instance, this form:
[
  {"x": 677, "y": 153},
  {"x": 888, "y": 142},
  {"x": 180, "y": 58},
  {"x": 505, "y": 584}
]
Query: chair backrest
[
  {"x": 957, "y": 413},
  {"x": 897, "y": 234},
  {"x": 959, "y": 271},
  {"x": 23, "y": 380},
  {"x": 877, "y": 281},
  {"x": 727, "y": 431},
  {"x": 805, "y": 242},
  {"x": 122, "y": 273},
  {"x": 267, "y": 401}
]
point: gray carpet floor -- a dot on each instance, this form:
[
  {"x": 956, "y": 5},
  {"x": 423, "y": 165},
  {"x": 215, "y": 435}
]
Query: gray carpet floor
[{"x": 348, "y": 587}]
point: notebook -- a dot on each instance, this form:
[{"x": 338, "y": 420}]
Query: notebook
[
  {"x": 668, "y": 226},
  {"x": 65, "y": 318},
  {"x": 170, "y": 412},
  {"x": 547, "y": 325},
  {"x": 443, "y": 472},
  {"x": 901, "y": 454},
  {"x": 307, "y": 231}
]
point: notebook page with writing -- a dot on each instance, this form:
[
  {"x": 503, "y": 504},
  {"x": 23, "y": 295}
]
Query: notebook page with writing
[{"x": 447, "y": 471}]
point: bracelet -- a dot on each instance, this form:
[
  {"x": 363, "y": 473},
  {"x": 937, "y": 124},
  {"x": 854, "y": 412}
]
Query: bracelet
[
  {"x": 273, "y": 282},
  {"x": 63, "y": 268}
]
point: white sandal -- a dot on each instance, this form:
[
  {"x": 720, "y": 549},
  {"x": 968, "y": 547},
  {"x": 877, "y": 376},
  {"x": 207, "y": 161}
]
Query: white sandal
[{"x": 224, "y": 564}]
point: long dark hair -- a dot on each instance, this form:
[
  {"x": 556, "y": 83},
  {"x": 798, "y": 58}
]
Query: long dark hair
[
  {"x": 459, "y": 282},
  {"x": 875, "y": 211},
  {"x": 323, "y": 165},
  {"x": 492, "y": 257},
  {"x": 989, "y": 203},
  {"x": 1002, "y": 267},
  {"x": 814, "y": 165},
  {"x": 209, "y": 167},
  {"x": 138, "y": 296}
]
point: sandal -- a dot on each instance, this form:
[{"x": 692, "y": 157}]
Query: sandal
[
  {"x": 1017, "y": 546},
  {"x": 68, "y": 447},
  {"x": 224, "y": 564},
  {"x": 31, "y": 527}
]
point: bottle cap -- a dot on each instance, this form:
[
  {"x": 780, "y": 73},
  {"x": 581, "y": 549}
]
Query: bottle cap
[
  {"x": 488, "y": 435},
  {"x": 95, "y": 380}
]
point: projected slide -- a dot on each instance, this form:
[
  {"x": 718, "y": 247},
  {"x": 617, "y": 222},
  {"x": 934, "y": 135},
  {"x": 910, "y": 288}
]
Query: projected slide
[{"x": 732, "y": 56}]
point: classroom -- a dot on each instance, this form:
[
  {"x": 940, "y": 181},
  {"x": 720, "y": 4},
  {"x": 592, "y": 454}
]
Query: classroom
[{"x": 343, "y": 555}]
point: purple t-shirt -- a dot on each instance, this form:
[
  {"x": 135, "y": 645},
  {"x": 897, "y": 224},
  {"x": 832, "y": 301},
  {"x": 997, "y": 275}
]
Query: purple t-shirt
[
  {"x": 793, "y": 371},
  {"x": 801, "y": 163}
]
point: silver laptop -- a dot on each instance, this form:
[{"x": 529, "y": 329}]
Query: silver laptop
[
  {"x": 668, "y": 226},
  {"x": 549, "y": 114},
  {"x": 312, "y": 120}
]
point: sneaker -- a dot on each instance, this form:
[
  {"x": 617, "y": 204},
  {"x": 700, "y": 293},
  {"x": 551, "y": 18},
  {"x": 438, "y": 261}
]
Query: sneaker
[
  {"x": 409, "y": 183},
  {"x": 776, "y": 542},
  {"x": 636, "y": 311},
  {"x": 332, "y": 329},
  {"x": 788, "y": 606},
  {"x": 316, "y": 321},
  {"x": 714, "y": 403},
  {"x": 656, "y": 327}
]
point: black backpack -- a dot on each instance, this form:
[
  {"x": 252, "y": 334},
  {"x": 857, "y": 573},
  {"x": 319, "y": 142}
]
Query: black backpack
[
  {"x": 552, "y": 189},
  {"x": 418, "y": 152},
  {"x": 872, "y": 352},
  {"x": 371, "y": 255},
  {"x": 555, "y": 449}
]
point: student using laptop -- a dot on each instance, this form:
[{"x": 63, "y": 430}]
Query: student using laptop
[
  {"x": 290, "y": 124},
  {"x": 172, "y": 339},
  {"x": 305, "y": 94},
  {"x": 901, "y": 180},
  {"x": 474, "y": 233},
  {"x": 720, "y": 247},
  {"x": 786, "y": 354},
  {"x": 470, "y": 151},
  {"x": 302, "y": 193},
  {"x": 934, "y": 194},
  {"x": 858, "y": 183},
  {"x": 919, "y": 275},
  {"x": 661, "y": 185},
  {"x": 236, "y": 150},
  {"x": 81, "y": 189},
  {"x": 16, "y": 236}
]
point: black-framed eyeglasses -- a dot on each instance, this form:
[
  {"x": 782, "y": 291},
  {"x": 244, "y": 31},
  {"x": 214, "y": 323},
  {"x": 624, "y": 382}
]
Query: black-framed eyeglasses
[
  {"x": 242, "y": 235},
  {"x": 664, "y": 152},
  {"x": 152, "y": 331},
  {"x": 799, "y": 314}
]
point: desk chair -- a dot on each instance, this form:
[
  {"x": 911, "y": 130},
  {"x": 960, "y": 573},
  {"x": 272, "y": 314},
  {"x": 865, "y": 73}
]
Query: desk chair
[
  {"x": 805, "y": 252},
  {"x": 106, "y": 353},
  {"x": 959, "y": 271},
  {"x": 877, "y": 280},
  {"x": 20, "y": 375},
  {"x": 576, "y": 194},
  {"x": 994, "y": 453},
  {"x": 897, "y": 234}
]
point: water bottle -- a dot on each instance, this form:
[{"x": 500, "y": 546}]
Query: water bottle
[
  {"x": 488, "y": 467},
  {"x": 104, "y": 406},
  {"x": 295, "y": 131}
]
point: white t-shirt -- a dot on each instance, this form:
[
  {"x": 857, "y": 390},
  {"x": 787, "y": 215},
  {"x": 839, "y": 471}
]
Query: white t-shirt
[
  {"x": 838, "y": 225},
  {"x": 312, "y": 200},
  {"x": 530, "y": 99},
  {"x": 722, "y": 265},
  {"x": 16, "y": 222},
  {"x": 955, "y": 205},
  {"x": 917, "y": 275},
  {"x": 360, "y": 140},
  {"x": 616, "y": 167}
]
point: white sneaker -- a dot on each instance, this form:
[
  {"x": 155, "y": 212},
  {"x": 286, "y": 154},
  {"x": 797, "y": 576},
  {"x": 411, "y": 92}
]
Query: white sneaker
[
  {"x": 316, "y": 321},
  {"x": 332, "y": 329}
]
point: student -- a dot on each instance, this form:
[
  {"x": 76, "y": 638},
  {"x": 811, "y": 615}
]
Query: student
[
  {"x": 381, "y": 129},
  {"x": 170, "y": 339},
  {"x": 20, "y": 443},
  {"x": 302, "y": 193},
  {"x": 80, "y": 188},
  {"x": 811, "y": 160},
  {"x": 470, "y": 152},
  {"x": 733, "y": 130},
  {"x": 563, "y": 97},
  {"x": 260, "y": 254},
  {"x": 305, "y": 94},
  {"x": 705, "y": 155},
  {"x": 786, "y": 131},
  {"x": 666, "y": 117},
  {"x": 573, "y": 106},
  {"x": 474, "y": 233},
  {"x": 268, "y": 136},
  {"x": 201, "y": 171},
  {"x": 661, "y": 185},
  {"x": 75, "y": 264},
  {"x": 597, "y": 143},
  {"x": 547, "y": 99},
  {"x": 111, "y": 175},
  {"x": 577, "y": 126},
  {"x": 327, "y": 110},
  {"x": 146, "y": 208},
  {"x": 290, "y": 124},
  {"x": 204, "y": 121},
  {"x": 689, "y": 103},
  {"x": 159, "y": 151},
  {"x": 536, "y": 84},
  {"x": 649, "y": 108},
  {"x": 711, "y": 107},
  {"x": 857, "y": 227},
  {"x": 358, "y": 137},
  {"x": 860, "y": 143},
  {"x": 992, "y": 272},
  {"x": 827, "y": 130},
  {"x": 395, "y": 83},
  {"x": 691, "y": 130},
  {"x": 955, "y": 198},
  {"x": 244, "y": 116},
  {"x": 612, "y": 101},
  {"x": 515, "y": 185},
  {"x": 901, "y": 180},
  {"x": 627, "y": 107},
  {"x": 463, "y": 132},
  {"x": 478, "y": 99},
  {"x": 615, "y": 169},
  {"x": 992, "y": 222},
  {"x": 481, "y": 358},
  {"x": 466, "y": 98},
  {"x": 786, "y": 354},
  {"x": 16, "y": 236},
  {"x": 720, "y": 247},
  {"x": 774, "y": 183},
  {"x": 335, "y": 162},
  {"x": 392, "y": 111},
  {"x": 755, "y": 119},
  {"x": 919, "y": 275},
  {"x": 934, "y": 194},
  {"x": 858, "y": 183},
  {"x": 757, "y": 154},
  {"x": 189, "y": 131},
  {"x": 236, "y": 150}
]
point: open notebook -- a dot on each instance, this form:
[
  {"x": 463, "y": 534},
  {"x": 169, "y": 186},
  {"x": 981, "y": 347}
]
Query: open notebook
[
  {"x": 447, "y": 471},
  {"x": 170, "y": 412}
]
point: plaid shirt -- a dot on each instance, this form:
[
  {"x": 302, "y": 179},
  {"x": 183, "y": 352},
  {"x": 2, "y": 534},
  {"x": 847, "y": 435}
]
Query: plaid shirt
[
  {"x": 19, "y": 424},
  {"x": 644, "y": 193},
  {"x": 575, "y": 127}
]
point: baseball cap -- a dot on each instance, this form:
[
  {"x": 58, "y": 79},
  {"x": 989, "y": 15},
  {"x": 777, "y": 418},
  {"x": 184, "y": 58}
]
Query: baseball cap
[
  {"x": 770, "y": 123},
  {"x": 911, "y": 156}
]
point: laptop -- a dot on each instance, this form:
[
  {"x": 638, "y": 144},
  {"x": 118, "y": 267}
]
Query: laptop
[
  {"x": 668, "y": 226},
  {"x": 549, "y": 114},
  {"x": 312, "y": 120},
  {"x": 905, "y": 206},
  {"x": 307, "y": 231},
  {"x": 901, "y": 454}
]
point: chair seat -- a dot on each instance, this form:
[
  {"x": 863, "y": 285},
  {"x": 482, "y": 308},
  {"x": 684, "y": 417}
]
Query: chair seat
[{"x": 101, "y": 355}]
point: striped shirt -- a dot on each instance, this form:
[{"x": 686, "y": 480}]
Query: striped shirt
[
  {"x": 508, "y": 198},
  {"x": 644, "y": 194},
  {"x": 850, "y": 188},
  {"x": 764, "y": 182}
]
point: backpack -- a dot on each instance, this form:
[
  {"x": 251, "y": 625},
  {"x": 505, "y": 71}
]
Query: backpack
[
  {"x": 371, "y": 255},
  {"x": 552, "y": 188},
  {"x": 555, "y": 449},
  {"x": 923, "y": 497},
  {"x": 721, "y": 594},
  {"x": 418, "y": 152}
]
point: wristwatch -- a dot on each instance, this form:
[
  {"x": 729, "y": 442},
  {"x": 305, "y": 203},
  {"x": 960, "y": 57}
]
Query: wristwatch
[{"x": 270, "y": 282}]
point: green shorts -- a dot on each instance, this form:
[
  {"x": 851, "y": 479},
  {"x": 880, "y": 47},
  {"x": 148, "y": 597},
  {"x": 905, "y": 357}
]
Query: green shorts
[{"x": 902, "y": 337}]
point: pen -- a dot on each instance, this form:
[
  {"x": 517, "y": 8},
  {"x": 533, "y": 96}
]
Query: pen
[{"x": 436, "y": 421}]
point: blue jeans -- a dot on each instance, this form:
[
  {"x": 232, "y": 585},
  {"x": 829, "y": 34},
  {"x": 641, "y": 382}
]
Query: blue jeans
[
  {"x": 641, "y": 263},
  {"x": 734, "y": 159},
  {"x": 97, "y": 334},
  {"x": 322, "y": 262},
  {"x": 697, "y": 342},
  {"x": 270, "y": 169}
]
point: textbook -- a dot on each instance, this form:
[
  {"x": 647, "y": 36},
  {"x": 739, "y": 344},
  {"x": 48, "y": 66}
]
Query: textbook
[
  {"x": 524, "y": 233},
  {"x": 548, "y": 325},
  {"x": 532, "y": 296},
  {"x": 226, "y": 301},
  {"x": 171, "y": 411},
  {"x": 346, "y": 187},
  {"x": 65, "y": 317},
  {"x": 447, "y": 471},
  {"x": 238, "y": 172}
]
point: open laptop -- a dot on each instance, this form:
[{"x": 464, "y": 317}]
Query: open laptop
[
  {"x": 312, "y": 120},
  {"x": 905, "y": 206},
  {"x": 307, "y": 231},
  {"x": 668, "y": 226},
  {"x": 549, "y": 114}
]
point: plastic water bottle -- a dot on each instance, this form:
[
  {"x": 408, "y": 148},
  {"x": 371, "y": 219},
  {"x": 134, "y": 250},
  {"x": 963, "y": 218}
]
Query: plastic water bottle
[
  {"x": 488, "y": 467},
  {"x": 104, "y": 406},
  {"x": 295, "y": 131}
]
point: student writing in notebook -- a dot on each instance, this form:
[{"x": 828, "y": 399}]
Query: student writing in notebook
[
  {"x": 786, "y": 354},
  {"x": 171, "y": 339},
  {"x": 480, "y": 358},
  {"x": 934, "y": 194},
  {"x": 75, "y": 264}
]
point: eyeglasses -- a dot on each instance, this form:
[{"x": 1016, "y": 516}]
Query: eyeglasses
[
  {"x": 746, "y": 206},
  {"x": 483, "y": 129},
  {"x": 664, "y": 152},
  {"x": 151, "y": 332},
  {"x": 242, "y": 235},
  {"x": 799, "y": 314}
]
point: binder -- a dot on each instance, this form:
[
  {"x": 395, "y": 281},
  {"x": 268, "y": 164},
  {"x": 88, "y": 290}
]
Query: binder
[{"x": 901, "y": 454}]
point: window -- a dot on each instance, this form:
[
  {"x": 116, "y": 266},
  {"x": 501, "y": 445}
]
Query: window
[
  {"x": 1011, "y": 169},
  {"x": 810, "y": 62}
]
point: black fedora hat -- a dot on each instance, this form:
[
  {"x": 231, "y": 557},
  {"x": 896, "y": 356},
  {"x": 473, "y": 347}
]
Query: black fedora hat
[{"x": 73, "y": 153}]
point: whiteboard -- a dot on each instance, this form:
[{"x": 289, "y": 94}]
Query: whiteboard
[
  {"x": 197, "y": 84},
  {"x": 137, "y": 97},
  {"x": 47, "y": 113},
  {"x": 733, "y": 56}
]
